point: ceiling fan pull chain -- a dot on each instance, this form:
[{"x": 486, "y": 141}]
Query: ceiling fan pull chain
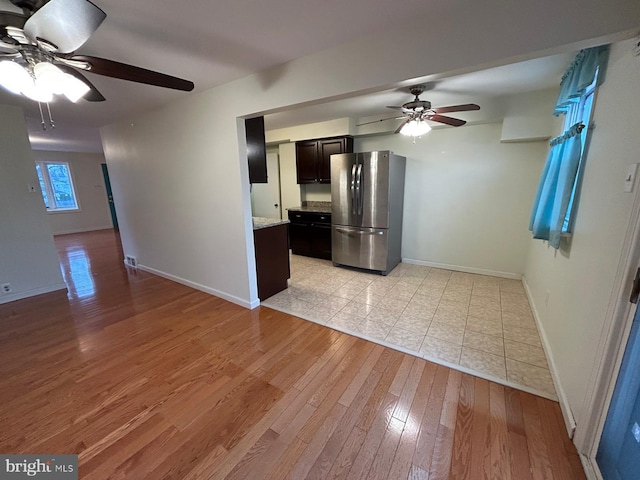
[
  {"x": 53, "y": 125},
  {"x": 44, "y": 125}
]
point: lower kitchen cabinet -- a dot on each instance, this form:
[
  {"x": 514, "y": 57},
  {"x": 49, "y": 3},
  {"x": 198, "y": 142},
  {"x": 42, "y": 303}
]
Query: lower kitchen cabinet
[
  {"x": 310, "y": 234},
  {"x": 272, "y": 259}
]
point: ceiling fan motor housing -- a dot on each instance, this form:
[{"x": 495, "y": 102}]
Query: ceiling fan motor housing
[
  {"x": 417, "y": 90},
  {"x": 417, "y": 105}
]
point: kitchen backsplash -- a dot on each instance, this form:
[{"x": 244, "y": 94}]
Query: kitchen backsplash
[{"x": 315, "y": 203}]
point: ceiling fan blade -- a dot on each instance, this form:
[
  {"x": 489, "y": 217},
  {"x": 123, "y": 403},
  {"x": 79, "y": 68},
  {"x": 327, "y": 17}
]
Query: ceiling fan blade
[
  {"x": 67, "y": 24},
  {"x": 455, "y": 122},
  {"x": 397, "y": 107},
  {"x": 379, "y": 120},
  {"x": 457, "y": 108},
  {"x": 10, "y": 19},
  {"x": 110, "y": 68},
  {"x": 402, "y": 125},
  {"x": 93, "y": 95}
]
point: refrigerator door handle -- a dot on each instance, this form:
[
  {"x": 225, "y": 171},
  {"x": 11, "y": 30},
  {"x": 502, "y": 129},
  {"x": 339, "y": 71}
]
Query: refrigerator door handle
[
  {"x": 358, "y": 232},
  {"x": 353, "y": 189},
  {"x": 360, "y": 200}
]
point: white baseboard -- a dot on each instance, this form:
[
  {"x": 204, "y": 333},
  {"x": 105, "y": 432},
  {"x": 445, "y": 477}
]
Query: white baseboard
[
  {"x": 458, "y": 268},
  {"x": 590, "y": 467},
  {"x": 12, "y": 297},
  {"x": 83, "y": 230},
  {"x": 567, "y": 414},
  {"x": 203, "y": 288}
]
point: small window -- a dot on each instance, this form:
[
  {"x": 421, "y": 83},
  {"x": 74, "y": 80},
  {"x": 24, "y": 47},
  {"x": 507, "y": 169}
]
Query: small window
[
  {"x": 579, "y": 112},
  {"x": 57, "y": 186}
]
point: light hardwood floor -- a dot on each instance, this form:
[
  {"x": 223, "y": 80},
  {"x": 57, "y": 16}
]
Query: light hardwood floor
[
  {"x": 478, "y": 324},
  {"x": 148, "y": 379}
]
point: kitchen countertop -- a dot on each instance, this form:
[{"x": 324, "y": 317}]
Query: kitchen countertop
[
  {"x": 316, "y": 207},
  {"x": 262, "y": 222}
]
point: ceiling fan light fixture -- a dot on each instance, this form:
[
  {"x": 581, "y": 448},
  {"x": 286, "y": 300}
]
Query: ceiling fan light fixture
[
  {"x": 13, "y": 77},
  {"x": 415, "y": 128},
  {"x": 50, "y": 77},
  {"x": 37, "y": 91}
]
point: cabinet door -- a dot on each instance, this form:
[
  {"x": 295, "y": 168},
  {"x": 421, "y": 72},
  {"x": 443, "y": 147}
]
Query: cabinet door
[
  {"x": 256, "y": 150},
  {"x": 321, "y": 241},
  {"x": 328, "y": 147},
  {"x": 300, "y": 238},
  {"x": 306, "y": 161}
]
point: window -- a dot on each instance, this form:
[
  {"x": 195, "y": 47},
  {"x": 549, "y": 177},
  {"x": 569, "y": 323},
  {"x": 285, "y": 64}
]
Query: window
[
  {"x": 557, "y": 198},
  {"x": 579, "y": 112},
  {"x": 57, "y": 186}
]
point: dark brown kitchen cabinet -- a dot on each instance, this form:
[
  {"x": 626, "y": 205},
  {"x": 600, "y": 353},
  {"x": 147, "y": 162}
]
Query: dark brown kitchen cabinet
[
  {"x": 256, "y": 150},
  {"x": 310, "y": 234},
  {"x": 272, "y": 259},
  {"x": 313, "y": 160},
  {"x": 306, "y": 161}
]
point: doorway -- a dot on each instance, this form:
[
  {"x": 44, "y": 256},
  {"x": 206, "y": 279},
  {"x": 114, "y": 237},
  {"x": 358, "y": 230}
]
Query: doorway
[{"x": 112, "y": 206}]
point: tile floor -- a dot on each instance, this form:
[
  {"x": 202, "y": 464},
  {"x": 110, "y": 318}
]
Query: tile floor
[{"x": 481, "y": 323}]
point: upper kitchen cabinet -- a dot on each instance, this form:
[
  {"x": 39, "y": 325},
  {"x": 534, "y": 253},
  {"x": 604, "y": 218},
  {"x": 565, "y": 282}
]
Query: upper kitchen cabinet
[
  {"x": 313, "y": 162},
  {"x": 256, "y": 150}
]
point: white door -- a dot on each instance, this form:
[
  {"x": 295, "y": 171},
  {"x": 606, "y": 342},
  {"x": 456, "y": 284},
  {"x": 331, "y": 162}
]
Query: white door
[{"x": 265, "y": 197}]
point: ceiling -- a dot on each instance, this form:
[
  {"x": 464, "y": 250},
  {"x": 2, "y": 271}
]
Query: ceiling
[
  {"x": 211, "y": 43},
  {"x": 481, "y": 87}
]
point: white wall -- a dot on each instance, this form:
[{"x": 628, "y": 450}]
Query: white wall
[
  {"x": 28, "y": 257},
  {"x": 579, "y": 285},
  {"x": 183, "y": 212},
  {"x": 180, "y": 172},
  {"x": 289, "y": 188},
  {"x": 331, "y": 128},
  {"x": 315, "y": 192},
  {"x": 529, "y": 117},
  {"x": 90, "y": 191},
  {"x": 467, "y": 197}
]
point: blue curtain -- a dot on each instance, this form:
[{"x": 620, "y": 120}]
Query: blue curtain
[
  {"x": 560, "y": 171},
  {"x": 580, "y": 75},
  {"x": 556, "y": 184}
]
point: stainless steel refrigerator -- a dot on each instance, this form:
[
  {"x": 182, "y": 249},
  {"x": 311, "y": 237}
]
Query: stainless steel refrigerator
[{"x": 367, "y": 196}]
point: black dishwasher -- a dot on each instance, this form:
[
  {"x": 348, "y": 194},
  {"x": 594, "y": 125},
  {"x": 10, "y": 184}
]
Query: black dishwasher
[{"x": 310, "y": 234}]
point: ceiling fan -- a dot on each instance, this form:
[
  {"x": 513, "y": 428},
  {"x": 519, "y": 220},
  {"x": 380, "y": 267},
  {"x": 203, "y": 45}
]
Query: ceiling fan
[
  {"x": 416, "y": 112},
  {"x": 40, "y": 38}
]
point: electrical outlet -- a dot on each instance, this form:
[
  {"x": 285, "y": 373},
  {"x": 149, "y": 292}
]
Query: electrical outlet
[
  {"x": 6, "y": 288},
  {"x": 131, "y": 261}
]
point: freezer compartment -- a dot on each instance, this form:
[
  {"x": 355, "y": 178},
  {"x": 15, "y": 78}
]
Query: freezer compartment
[{"x": 361, "y": 247}]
